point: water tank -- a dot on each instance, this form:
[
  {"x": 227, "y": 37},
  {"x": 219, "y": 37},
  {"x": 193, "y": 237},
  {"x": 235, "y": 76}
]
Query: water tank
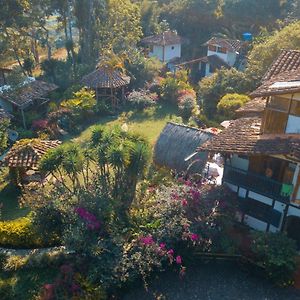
[{"x": 247, "y": 36}]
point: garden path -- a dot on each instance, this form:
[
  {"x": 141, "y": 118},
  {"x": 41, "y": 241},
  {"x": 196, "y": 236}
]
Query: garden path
[{"x": 212, "y": 281}]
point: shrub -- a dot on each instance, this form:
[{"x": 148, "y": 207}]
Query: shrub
[
  {"x": 142, "y": 99},
  {"x": 222, "y": 82},
  {"x": 230, "y": 103},
  {"x": 186, "y": 104},
  {"x": 142, "y": 69},
  {"x": 172, "y": 85},
  {"x": 276, "y": 253},
  {"x": 20, "y": 233}
]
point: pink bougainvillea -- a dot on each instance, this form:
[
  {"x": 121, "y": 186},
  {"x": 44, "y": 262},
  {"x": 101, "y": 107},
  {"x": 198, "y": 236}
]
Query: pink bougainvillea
[
  {"x": 89, "y": 218},
  {"x": 178, "y": 260},
  {"x": 147, "y": 240}
]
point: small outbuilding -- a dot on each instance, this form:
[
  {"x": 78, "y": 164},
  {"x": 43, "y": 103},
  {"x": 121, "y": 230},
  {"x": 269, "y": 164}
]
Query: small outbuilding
[
  {"x": 107, "y": 84},
  {"x": 176, "y": 148},
  {"x": 165, "y": 46},
  {"x": 24, "y": 156},
  {"x": 31, "y": 96}
]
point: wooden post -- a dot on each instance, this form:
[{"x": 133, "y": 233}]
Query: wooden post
[
  {"x": 123, "y": 94},
  {"x": 23, "y": 118}
]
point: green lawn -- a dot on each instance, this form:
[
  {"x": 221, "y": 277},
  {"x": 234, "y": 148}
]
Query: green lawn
[
  {"x": 9, "y": 194},
  {"x": 148, "y": 123}
]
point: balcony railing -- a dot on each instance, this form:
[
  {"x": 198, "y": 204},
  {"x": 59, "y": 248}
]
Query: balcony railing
[{"x": 256, "y": 183}]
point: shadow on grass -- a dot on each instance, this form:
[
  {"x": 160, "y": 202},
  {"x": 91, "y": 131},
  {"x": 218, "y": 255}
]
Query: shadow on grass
[
  {"x": 25, "y": 284},
  {"x": 11, "y": 209}
]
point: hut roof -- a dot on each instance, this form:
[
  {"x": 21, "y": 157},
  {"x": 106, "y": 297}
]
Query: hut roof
[
  {"x": 178, "y": 142},
  {"x": 103, "y": 78},
  {"x": 26, "y": 153},
  {"x": 33, "y": 90}
]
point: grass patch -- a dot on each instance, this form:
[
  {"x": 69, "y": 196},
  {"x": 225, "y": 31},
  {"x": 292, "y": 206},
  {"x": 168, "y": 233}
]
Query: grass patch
[
  {"x": 25, "y": 284},
  {"x": 148, "y": 123},
  {"x": 10, "y": 207}
]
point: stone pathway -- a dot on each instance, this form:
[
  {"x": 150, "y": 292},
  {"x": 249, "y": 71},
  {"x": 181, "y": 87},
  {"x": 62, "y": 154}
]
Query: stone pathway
[{"x": 212, "y": 281}]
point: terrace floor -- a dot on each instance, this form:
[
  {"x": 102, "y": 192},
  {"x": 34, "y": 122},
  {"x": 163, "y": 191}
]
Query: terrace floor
[{"x": 212, "y": 281}]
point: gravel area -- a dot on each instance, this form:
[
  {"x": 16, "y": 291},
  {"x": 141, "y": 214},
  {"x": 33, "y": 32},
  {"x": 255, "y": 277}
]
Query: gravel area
[{"x": 212, "y": 281}]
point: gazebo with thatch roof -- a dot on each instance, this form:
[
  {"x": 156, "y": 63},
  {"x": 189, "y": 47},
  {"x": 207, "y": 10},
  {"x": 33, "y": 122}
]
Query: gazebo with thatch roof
[
  {"x": 106, "y": 81},
  {"x": 176, "y": 148},
  {"x": 23, "y": 158}
]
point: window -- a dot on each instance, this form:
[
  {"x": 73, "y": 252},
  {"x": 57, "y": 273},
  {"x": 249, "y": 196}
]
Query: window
[
  {"x": 295, "y": 108},
  {"x": 222, "y": 50},
  {"x": 275, "y": 121},
  {"x": 212, "y": 48},
  {"x": 279, "y": 103},
  {"x": 211, "y": 69}
]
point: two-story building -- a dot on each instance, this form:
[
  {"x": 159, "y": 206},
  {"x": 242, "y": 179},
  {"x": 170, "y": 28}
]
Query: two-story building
[
  {"x": 262, "y": 152},
  {"x": 220, "y": 53},
  {"x": 165, "y": 46}
]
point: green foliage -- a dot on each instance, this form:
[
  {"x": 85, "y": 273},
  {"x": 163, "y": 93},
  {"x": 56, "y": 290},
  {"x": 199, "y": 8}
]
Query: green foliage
[
  {"x": 186, "y": 104},
  {"x": 4, "y": 123},
  {"x": 20, "y": 233},
  {"x": 276, "y": 253},
  {"x": 16, "y": 77},
  {"x": 142, "y": 69},
  {"x": 222, "y": 82},
  {"x": 172, "y": 85},
  {"x": 84, "y": 100},
  {"x": 230, "y": 103},
  {"x": 264, "y": 53}
]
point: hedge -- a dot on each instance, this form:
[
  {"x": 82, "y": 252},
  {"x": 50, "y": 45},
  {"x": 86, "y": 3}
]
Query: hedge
[{"x": 20, "y": 233}]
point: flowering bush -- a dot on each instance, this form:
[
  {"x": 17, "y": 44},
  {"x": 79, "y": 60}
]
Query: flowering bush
[
  {"x": 174, "y": 221},
  {"x": 40, "y": 125},
  {"x": 142, "y": 99},
  {"x": 186, "y": 103}
]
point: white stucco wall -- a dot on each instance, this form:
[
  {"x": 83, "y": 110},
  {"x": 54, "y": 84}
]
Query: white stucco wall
[
  {"x": 157, "y": 52},
  {"x": 172, "y": 51},
  {"x": 255, "y": 223},
  {"x": 229, "y": 57},
  {"x": 165, "y": 54}
]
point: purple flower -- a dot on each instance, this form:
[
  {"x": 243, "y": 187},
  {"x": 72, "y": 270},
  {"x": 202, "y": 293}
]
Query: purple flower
[
  {"x": 178, "y": 260},
  {"x": 89, "y": 218},
  {"x": 147, "y": 240},
  {"x": 170, "y": 252},
  {"x": 184, "y": 202},
  {"x": 162, "y": 246},
  {"x": 194, "y": 237}
]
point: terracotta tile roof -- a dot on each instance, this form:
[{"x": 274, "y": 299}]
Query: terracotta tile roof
[
  {"x": 215, "y": 61},
  {"x": 27, "y": 153},
  {"x": 282, "y": 76},
  {"x": 164, "y": 39},
  {"x": 232, "y": 45},
  {"x": 283, "y": 83},
  {"x": 288, "y": 60},
  {"x": 103, "y": 78},
  {"x": 33, "y": 90},
  {"x": 252, "y": 108},
  {"x": 243, "y": 137}
]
